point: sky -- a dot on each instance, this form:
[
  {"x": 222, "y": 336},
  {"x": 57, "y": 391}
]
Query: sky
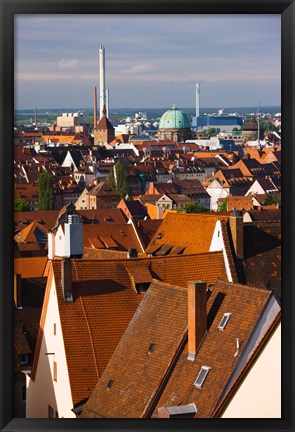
[{"x": 152, "y": 61}]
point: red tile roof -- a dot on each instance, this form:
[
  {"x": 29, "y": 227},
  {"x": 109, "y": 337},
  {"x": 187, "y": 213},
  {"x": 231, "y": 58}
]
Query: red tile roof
[
  {"x": 149, "y": 367},
  {"x": 104, "y": 303}
]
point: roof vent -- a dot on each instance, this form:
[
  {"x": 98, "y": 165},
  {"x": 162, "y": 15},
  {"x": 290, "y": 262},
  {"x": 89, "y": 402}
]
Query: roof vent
[
  {"x": 73, "y": 218},
  {"x": 180, "y": 411},
  {"x": 110, "y": 383},
  {"x": 132, "y": 253},
  {"x": 151, "y": 347}
]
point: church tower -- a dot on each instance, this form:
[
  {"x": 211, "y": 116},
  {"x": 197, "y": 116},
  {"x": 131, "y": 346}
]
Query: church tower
[{"x": 103, "y": 131}]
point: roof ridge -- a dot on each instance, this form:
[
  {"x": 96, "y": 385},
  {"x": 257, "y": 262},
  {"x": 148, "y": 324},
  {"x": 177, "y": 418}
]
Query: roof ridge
[{"x": 240, "y": 285}]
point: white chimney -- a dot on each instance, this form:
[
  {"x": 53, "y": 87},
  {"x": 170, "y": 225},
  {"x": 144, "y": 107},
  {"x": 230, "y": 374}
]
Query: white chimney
[
  {"x": 102, "y": 92},
  {"x": 107, "y": 102},
  {"x": 73, "y": 236},
  {"x": 197, "y": 100}
]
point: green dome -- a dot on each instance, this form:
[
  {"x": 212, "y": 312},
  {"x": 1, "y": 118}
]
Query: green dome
[{"x": 174, "y": 119}]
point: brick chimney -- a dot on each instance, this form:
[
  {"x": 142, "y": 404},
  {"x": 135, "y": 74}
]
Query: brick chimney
[
  {"x": 66, "y": 279},
  {"x": 179, "y": 411},
  {"x": 237, "y": 232},
  {"x": 197, "y": 316}
]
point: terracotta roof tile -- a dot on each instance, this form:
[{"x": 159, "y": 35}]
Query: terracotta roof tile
[
  {"x": 30, "y": 267},
  {"x": 104, "y": 303},
  {"x": 161, "y": 320},
  {"x": 262, "y": 256},
  {"x": 192, "y": 231}
]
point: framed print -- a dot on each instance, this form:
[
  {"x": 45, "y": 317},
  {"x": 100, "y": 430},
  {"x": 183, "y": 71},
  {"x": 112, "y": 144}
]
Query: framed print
[{"x": 144, "y": 286}]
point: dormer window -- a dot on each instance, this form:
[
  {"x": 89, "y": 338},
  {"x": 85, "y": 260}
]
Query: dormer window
[
  {"x": 224, "y": 321},
  {"x": 201, "y": 376},
  {"x": 23, "y": 359}
]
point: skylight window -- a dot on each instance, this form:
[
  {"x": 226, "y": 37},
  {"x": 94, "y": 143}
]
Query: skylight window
[
  {"x": 202, "y": 376},
  {"x": 224, "y": 321}
]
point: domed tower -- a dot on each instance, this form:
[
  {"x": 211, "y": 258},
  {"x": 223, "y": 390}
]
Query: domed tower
[{"x": 174, "y": 125}]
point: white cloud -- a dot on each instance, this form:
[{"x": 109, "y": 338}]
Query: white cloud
[
  {"x": 64, "y": 64},
  {"x": 137, "y": 69}
]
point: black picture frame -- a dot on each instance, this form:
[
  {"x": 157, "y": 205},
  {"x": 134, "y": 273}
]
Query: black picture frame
[{"x": 11, "y": 7}]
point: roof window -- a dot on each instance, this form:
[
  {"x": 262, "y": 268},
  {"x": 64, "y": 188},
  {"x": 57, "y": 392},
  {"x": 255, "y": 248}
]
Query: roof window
[
  {"x": 201, "y": 376},
  {"x": 224, "y": 321}
]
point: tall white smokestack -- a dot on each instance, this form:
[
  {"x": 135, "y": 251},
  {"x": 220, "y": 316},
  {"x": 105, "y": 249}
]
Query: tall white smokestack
[
  {"x": 107, "y": 102},
  {"x": 102, "y": 92},
  {"x": 197, "y": 99}
]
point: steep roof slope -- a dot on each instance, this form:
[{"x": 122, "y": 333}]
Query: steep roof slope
[
  {"x": 262, "y": 254},
  {"x": 104, "y": 302},
  {"x": 149, "y": 368},
  {"x": 193, "y": 232}
]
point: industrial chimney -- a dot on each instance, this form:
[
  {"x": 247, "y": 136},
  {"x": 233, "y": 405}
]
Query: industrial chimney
[
  {"x": 197, "y": 100},
  {"x": 95, "y": 109},
  {"x": 102, "y": 91}
]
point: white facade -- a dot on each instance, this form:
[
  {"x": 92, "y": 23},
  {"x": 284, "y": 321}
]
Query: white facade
[
  {"x": 44, "y": 394},
  {"x": 259, "y": 396},
  {"x": 217, "y": 244},
  {"x": 256, "y": 188},
  {"x": 66, "y": 241},
  {"x": 69, "y": 161},
  {"x": 216, "y": 191}
]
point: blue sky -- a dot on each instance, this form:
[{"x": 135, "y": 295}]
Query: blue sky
[{"x": 152, "y": 61}]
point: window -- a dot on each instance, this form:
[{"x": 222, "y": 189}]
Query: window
[
  {"x": 54, "y": 328},
  {"x": 224, "y": 321},
  {"x": 23, "y": 359},
  {"x": 54, "y": 371},
  {"x": 201, "y": 377}
]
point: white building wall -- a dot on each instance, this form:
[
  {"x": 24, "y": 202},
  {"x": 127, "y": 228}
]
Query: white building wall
[
  {"x": 60, "y": 246},
  {"x": 255, "y": 189},
  {"x": 259, "y": 396},
  {"x": 68, "y": 161},
  {"x": 216, "y": 191},
  {"x": 217, "y": 244},
  {"x": 44, "y": 391}
]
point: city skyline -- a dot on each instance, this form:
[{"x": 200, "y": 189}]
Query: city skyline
[{"x": 151, "y": 60}]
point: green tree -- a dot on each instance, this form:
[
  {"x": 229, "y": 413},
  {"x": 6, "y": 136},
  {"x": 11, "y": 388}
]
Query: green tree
[
  {"x": 195, "y": 208},
  {"x": 272, "y": 199},
  {"x": 20, "y": 205},
  {"x": 45, "y": 187},
  {"x": 223, "y": 206},
  {"x": 118, "y": 179}
]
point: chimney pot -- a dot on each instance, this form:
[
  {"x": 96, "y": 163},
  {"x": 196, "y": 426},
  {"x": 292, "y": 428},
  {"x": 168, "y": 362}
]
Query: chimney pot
[{"x": 197, "y": 316}]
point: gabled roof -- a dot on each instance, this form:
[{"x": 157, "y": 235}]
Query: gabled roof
[
  {"x": 104, "y": 302},
  {"x": 103, "y": 189},
  {"x": 122, "y": 237},
  {"x": 149, "y": 367},
  {"x": 31, "y": 233},
  {"x": 193, "y": 231},
  {"x": 262, "y": 254}
]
